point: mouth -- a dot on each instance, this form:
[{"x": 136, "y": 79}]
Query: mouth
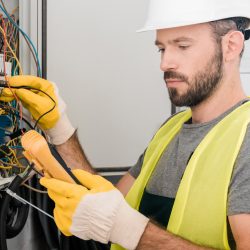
[{"x": 173, "y": 82}]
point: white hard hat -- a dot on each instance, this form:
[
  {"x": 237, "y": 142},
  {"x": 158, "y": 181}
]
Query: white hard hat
[{"x": 175, "y": 13}]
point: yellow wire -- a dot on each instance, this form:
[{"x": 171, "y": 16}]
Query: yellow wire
[
  {"x": 2, "y": 31},
  {"x": 14, "y": 10},
  {"x": 3, "y": 167},
  {"x": 12, "y": 157}
]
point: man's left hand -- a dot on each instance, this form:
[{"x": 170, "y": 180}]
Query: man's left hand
[{"x": 96, "y": 210}]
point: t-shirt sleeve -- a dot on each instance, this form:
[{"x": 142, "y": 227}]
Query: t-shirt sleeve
[
  {"x": 239, "y": 189},
  {"x": 136, "y": 169}
]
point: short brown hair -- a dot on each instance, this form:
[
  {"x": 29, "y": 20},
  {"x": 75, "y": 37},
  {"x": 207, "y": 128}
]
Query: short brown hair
[{"x": 223, "y": 26}]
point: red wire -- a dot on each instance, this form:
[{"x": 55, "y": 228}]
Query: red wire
[{"x": 5, "y": 73}]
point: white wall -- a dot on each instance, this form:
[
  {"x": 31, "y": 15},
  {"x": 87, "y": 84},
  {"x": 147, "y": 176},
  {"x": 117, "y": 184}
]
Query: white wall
[{"x": 108, "y": 74}]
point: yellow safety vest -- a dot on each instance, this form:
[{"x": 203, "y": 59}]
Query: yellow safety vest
[{"x": 199, "y": 211}]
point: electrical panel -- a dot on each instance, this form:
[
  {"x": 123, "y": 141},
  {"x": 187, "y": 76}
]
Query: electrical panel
[{"x": 17, "y": 176}]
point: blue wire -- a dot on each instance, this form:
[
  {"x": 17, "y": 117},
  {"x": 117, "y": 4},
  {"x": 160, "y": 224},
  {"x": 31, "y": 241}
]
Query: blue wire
[
  {"x": 16, "y": 147},
  {"x": 35, "y": 51}
]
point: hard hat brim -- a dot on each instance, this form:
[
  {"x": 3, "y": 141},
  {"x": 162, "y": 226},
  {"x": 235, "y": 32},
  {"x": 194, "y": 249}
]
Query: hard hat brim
[{"x": 157, "y": 24}]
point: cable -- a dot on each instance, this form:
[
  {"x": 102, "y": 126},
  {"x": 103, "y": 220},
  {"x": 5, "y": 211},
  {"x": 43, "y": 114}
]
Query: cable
[
  {"x": 33, "y": 168},
  {"x": 13, "y": 53},
  {"x": 11, "y": 162},
  {"x": 24, "y": 34},
  {"x": 14, "y": 112},
  {"x": 6, "y": 167},
  {"x": 10, "y": 33},
  {"x": 26, "y": 40},
  {"x": 31, "y": 88},
  {"x": 54, "y": 102},
  {"x": 14, "y": 10},
  {"x": 37, "y": 121},
  {"x": 9, "y": 227},
  {"x": 35, "y": 189},
  {"x": 10, "y": 165},
  {"x": 20, "y": 68},
  {"x": 11, "y": 38}
]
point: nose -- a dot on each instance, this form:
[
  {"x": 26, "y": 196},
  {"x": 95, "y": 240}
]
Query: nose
[{"x": 168, "y": 61}]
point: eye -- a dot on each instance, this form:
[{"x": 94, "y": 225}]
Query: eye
[
  {"x": 183, "y": 47},
  {"x": 161, "y": 50}
]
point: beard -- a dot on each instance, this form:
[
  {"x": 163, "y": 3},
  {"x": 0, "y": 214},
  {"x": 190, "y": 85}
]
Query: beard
[{"x": 201, "y": 86}]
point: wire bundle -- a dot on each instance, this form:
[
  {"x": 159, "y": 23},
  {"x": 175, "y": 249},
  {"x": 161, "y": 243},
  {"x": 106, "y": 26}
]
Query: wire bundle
[
  {"x": 12, "y": 122},
  {"x": 11, "y": 19},
  {"x": 9, "y": 147},
  {"x": 10, "y": 44}
]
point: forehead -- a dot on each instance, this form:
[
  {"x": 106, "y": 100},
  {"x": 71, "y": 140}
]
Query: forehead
[{"x": 192, "y": 32}]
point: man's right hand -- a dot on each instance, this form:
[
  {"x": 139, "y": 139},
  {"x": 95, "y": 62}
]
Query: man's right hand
[
  {"x": 39, "y": 96},
  {"x": 34, "y": 99}
]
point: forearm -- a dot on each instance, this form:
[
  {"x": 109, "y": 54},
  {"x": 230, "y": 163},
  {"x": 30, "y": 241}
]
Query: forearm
[
  {"x": 73, "y": 154},
  {"x": 156, "y": 238}
]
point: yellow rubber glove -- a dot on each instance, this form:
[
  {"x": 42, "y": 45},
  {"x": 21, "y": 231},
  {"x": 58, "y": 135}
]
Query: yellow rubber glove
[
  {"x": 55, "y": 122},
  {"x": 97, "y": 212},
  {"x": 35, "y": 101}
]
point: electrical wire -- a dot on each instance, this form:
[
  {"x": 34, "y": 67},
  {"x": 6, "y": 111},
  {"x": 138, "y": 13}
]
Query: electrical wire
[
  {"x": 14, "y": 10},
  {"x": 13, "y": 53},
  {"x": 3, "y": 31},
  {"x": 14, "y": 112},
  {"x": 37, "y": 172},
  {"x": 31, "y": 88},
  {"x": 11, "y": 40},
  {"x": 26, "y": 40},
  {"x": 6, "y": 167},
  {"x": 11, "y": 34},
  {"x": 9, "y": 226},
  {"x": 35, "y": 189},
  {"x": 25, "y": 35},
  {"x": 11, "y": 160},
  {"x": 9, "y": 164}
]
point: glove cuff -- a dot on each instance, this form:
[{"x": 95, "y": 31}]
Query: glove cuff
[
  {"x": 129, "y": 227},
  {"x": 62, "y": 131}
]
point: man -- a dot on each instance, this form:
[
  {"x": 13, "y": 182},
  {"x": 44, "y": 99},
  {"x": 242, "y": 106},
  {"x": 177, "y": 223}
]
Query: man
[{"x": 194, "y": 177}]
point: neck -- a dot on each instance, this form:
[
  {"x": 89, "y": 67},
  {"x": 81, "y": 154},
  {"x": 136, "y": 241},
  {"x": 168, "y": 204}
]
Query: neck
[{"x": 225, "y": 96}]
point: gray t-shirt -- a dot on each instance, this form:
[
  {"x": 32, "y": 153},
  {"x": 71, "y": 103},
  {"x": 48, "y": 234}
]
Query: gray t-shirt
[{"x": 167, "y": 175}]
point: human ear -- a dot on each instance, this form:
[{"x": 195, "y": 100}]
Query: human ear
[{"x": 232, "y": 44}]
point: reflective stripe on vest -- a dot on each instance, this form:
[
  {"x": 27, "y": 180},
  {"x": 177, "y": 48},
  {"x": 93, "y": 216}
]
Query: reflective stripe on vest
[{"x": 199, "y": 211}]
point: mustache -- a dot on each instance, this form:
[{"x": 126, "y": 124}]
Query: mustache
[{"x": 174, "y": 75}]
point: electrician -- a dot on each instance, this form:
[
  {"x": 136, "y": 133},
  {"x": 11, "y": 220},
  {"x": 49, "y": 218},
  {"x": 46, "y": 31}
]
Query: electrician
[{"x": 191, "y": 187}]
